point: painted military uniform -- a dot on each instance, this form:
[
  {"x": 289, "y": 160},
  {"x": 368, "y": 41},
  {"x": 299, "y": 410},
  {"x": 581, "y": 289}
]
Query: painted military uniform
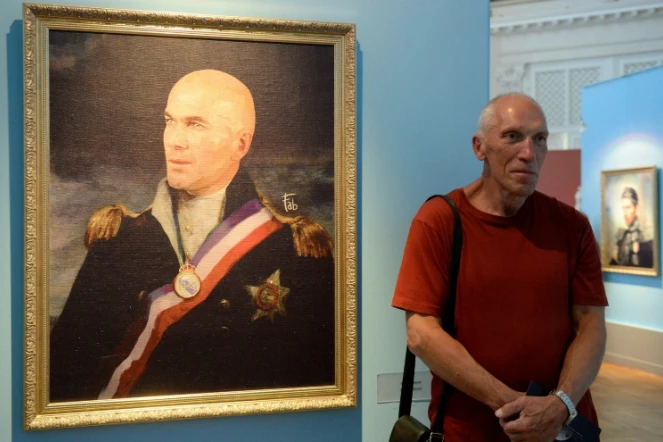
[
  {"x": 230, "y": 341},
  {"x": 634, "y": 246}
]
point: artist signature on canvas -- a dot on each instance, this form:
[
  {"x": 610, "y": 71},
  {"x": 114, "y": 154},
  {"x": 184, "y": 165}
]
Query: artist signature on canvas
[{"x": 289, "y": 203}]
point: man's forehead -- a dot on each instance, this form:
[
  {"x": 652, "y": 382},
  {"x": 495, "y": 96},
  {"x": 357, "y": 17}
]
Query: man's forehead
[
  {"x": 519, "y": 112},
  {"x": 197, "y": 103},
  {"x": 203, "y": 93},
  {"x": 517, "y": 105}
]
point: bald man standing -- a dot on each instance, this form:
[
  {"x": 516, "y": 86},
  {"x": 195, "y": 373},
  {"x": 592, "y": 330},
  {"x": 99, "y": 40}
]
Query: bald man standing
[
  {"x": 530, "y": 299},
  {"x": 207, "y": 290}
]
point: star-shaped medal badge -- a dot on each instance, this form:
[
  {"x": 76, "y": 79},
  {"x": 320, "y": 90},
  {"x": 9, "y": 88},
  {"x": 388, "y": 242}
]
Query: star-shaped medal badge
[{"x": 269, "y": 297}]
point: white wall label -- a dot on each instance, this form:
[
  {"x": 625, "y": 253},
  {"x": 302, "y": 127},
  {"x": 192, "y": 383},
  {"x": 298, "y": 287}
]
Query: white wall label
[{"x": 389, "y": 387}]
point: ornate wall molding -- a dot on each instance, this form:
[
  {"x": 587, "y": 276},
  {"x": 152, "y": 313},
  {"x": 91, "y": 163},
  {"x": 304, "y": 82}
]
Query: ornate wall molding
[
  {"x": 576, "y": 20},
  {"x": 510, "y": 78}
]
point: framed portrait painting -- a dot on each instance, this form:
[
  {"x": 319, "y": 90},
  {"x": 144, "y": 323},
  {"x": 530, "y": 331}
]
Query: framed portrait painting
[
  {"x": 629, "y": 221},
  {"x": 190, "y": 216}
]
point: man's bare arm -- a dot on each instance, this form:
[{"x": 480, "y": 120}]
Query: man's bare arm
[
  {"x": 541, "y": 418},
  {"x": 584, "y": 356},
  {"x": 447, "y": 358}
]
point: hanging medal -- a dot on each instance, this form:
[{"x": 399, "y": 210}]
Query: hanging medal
[{"x": 187, "y": 283}]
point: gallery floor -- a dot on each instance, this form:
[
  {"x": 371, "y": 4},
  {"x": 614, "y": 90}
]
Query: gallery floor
[{"x": 629, "y": 403}]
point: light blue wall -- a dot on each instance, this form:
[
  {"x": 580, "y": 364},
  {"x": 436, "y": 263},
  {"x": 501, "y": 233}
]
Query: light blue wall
[
  {"x": 624, "y": 130},
  {"x": 422, "y": 79}
]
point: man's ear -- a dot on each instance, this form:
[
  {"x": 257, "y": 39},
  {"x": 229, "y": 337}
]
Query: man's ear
[
  {"x": 478, "y": 147},
  {"x": 242, "y": 146}
]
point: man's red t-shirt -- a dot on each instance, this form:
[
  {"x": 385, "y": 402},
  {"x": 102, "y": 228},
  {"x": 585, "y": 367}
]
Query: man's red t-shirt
[{"x": 519, "y": 277}]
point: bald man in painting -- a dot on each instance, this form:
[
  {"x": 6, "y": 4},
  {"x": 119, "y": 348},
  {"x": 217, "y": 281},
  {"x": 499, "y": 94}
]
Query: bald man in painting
[{"x": 209, "y": 289}]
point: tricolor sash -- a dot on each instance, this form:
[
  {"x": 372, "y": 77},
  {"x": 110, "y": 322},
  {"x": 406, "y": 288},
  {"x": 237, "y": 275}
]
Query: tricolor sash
[{"x": 223, "y": 248}]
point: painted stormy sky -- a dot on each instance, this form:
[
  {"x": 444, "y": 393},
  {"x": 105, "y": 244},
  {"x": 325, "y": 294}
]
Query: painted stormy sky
[{"x": 107, "y": 97}]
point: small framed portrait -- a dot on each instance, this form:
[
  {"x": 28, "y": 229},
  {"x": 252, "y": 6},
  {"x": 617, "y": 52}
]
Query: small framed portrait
[
  {"x": 190, "y": 216},
  {"x": 629, "y": 221}
]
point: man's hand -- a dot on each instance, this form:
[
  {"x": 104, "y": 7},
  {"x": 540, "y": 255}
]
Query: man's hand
[{"x": 533, "y": 419}]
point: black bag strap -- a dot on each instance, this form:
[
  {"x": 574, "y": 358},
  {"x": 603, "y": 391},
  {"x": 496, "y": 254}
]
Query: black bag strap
[{"x": 448, "y": 324}]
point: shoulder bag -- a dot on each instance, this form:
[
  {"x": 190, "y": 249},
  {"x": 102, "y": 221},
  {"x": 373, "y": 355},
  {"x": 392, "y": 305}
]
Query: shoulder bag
[{"x": 407, "y": 428}]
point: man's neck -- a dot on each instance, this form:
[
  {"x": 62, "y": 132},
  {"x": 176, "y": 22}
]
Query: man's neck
[
  {"x": 185, "y": 197},
  {"x": 197, "y": 217},
  {"x": 487, "y": 196}
]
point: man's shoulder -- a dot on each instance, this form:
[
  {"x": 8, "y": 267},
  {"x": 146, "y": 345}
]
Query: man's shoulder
[
  {"x": 436, "y": 215},
  {"x": 551, "y": 202},
  {"x": 556, "y": 209},
  {"x": 308, "y": 236},
  {"x": 647, "y": 233},
  {"x": 435, "y": 209},
  {"x": 108, "y": 222}
]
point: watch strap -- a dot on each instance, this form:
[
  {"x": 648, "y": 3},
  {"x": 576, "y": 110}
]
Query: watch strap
[{"x": 569, "y": 404}]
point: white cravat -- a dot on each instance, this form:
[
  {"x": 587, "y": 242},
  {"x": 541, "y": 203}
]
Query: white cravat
[{"x": 197, "y": 217}]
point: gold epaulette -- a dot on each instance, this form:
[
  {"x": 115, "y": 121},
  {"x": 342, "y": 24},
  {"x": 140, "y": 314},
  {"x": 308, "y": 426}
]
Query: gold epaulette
[
  {"x": 310, "y": 237},
  {"x": 105, "y": 223}
]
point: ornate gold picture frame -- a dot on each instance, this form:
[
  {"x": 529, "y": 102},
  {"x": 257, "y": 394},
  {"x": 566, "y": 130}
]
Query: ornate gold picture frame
[
  {"x": 629, "y": 221},
  {"x": 190, "y": 212}
]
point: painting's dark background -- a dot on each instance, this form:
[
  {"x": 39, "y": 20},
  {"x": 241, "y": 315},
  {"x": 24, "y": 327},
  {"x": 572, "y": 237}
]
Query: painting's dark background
[{"x": 107, "y": 97}]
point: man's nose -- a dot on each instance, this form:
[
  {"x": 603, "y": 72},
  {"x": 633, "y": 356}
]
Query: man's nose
[
  {"x": 527, "y": 152},
  {"x": 176, "y": 137}
]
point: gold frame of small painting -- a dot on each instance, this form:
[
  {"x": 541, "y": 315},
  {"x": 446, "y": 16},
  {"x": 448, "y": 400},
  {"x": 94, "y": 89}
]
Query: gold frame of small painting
[{"x": 97, "y": 82}]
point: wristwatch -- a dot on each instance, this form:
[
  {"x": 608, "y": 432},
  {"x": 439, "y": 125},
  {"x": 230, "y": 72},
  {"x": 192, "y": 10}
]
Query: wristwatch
[{"x": 569, "y": 404}]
